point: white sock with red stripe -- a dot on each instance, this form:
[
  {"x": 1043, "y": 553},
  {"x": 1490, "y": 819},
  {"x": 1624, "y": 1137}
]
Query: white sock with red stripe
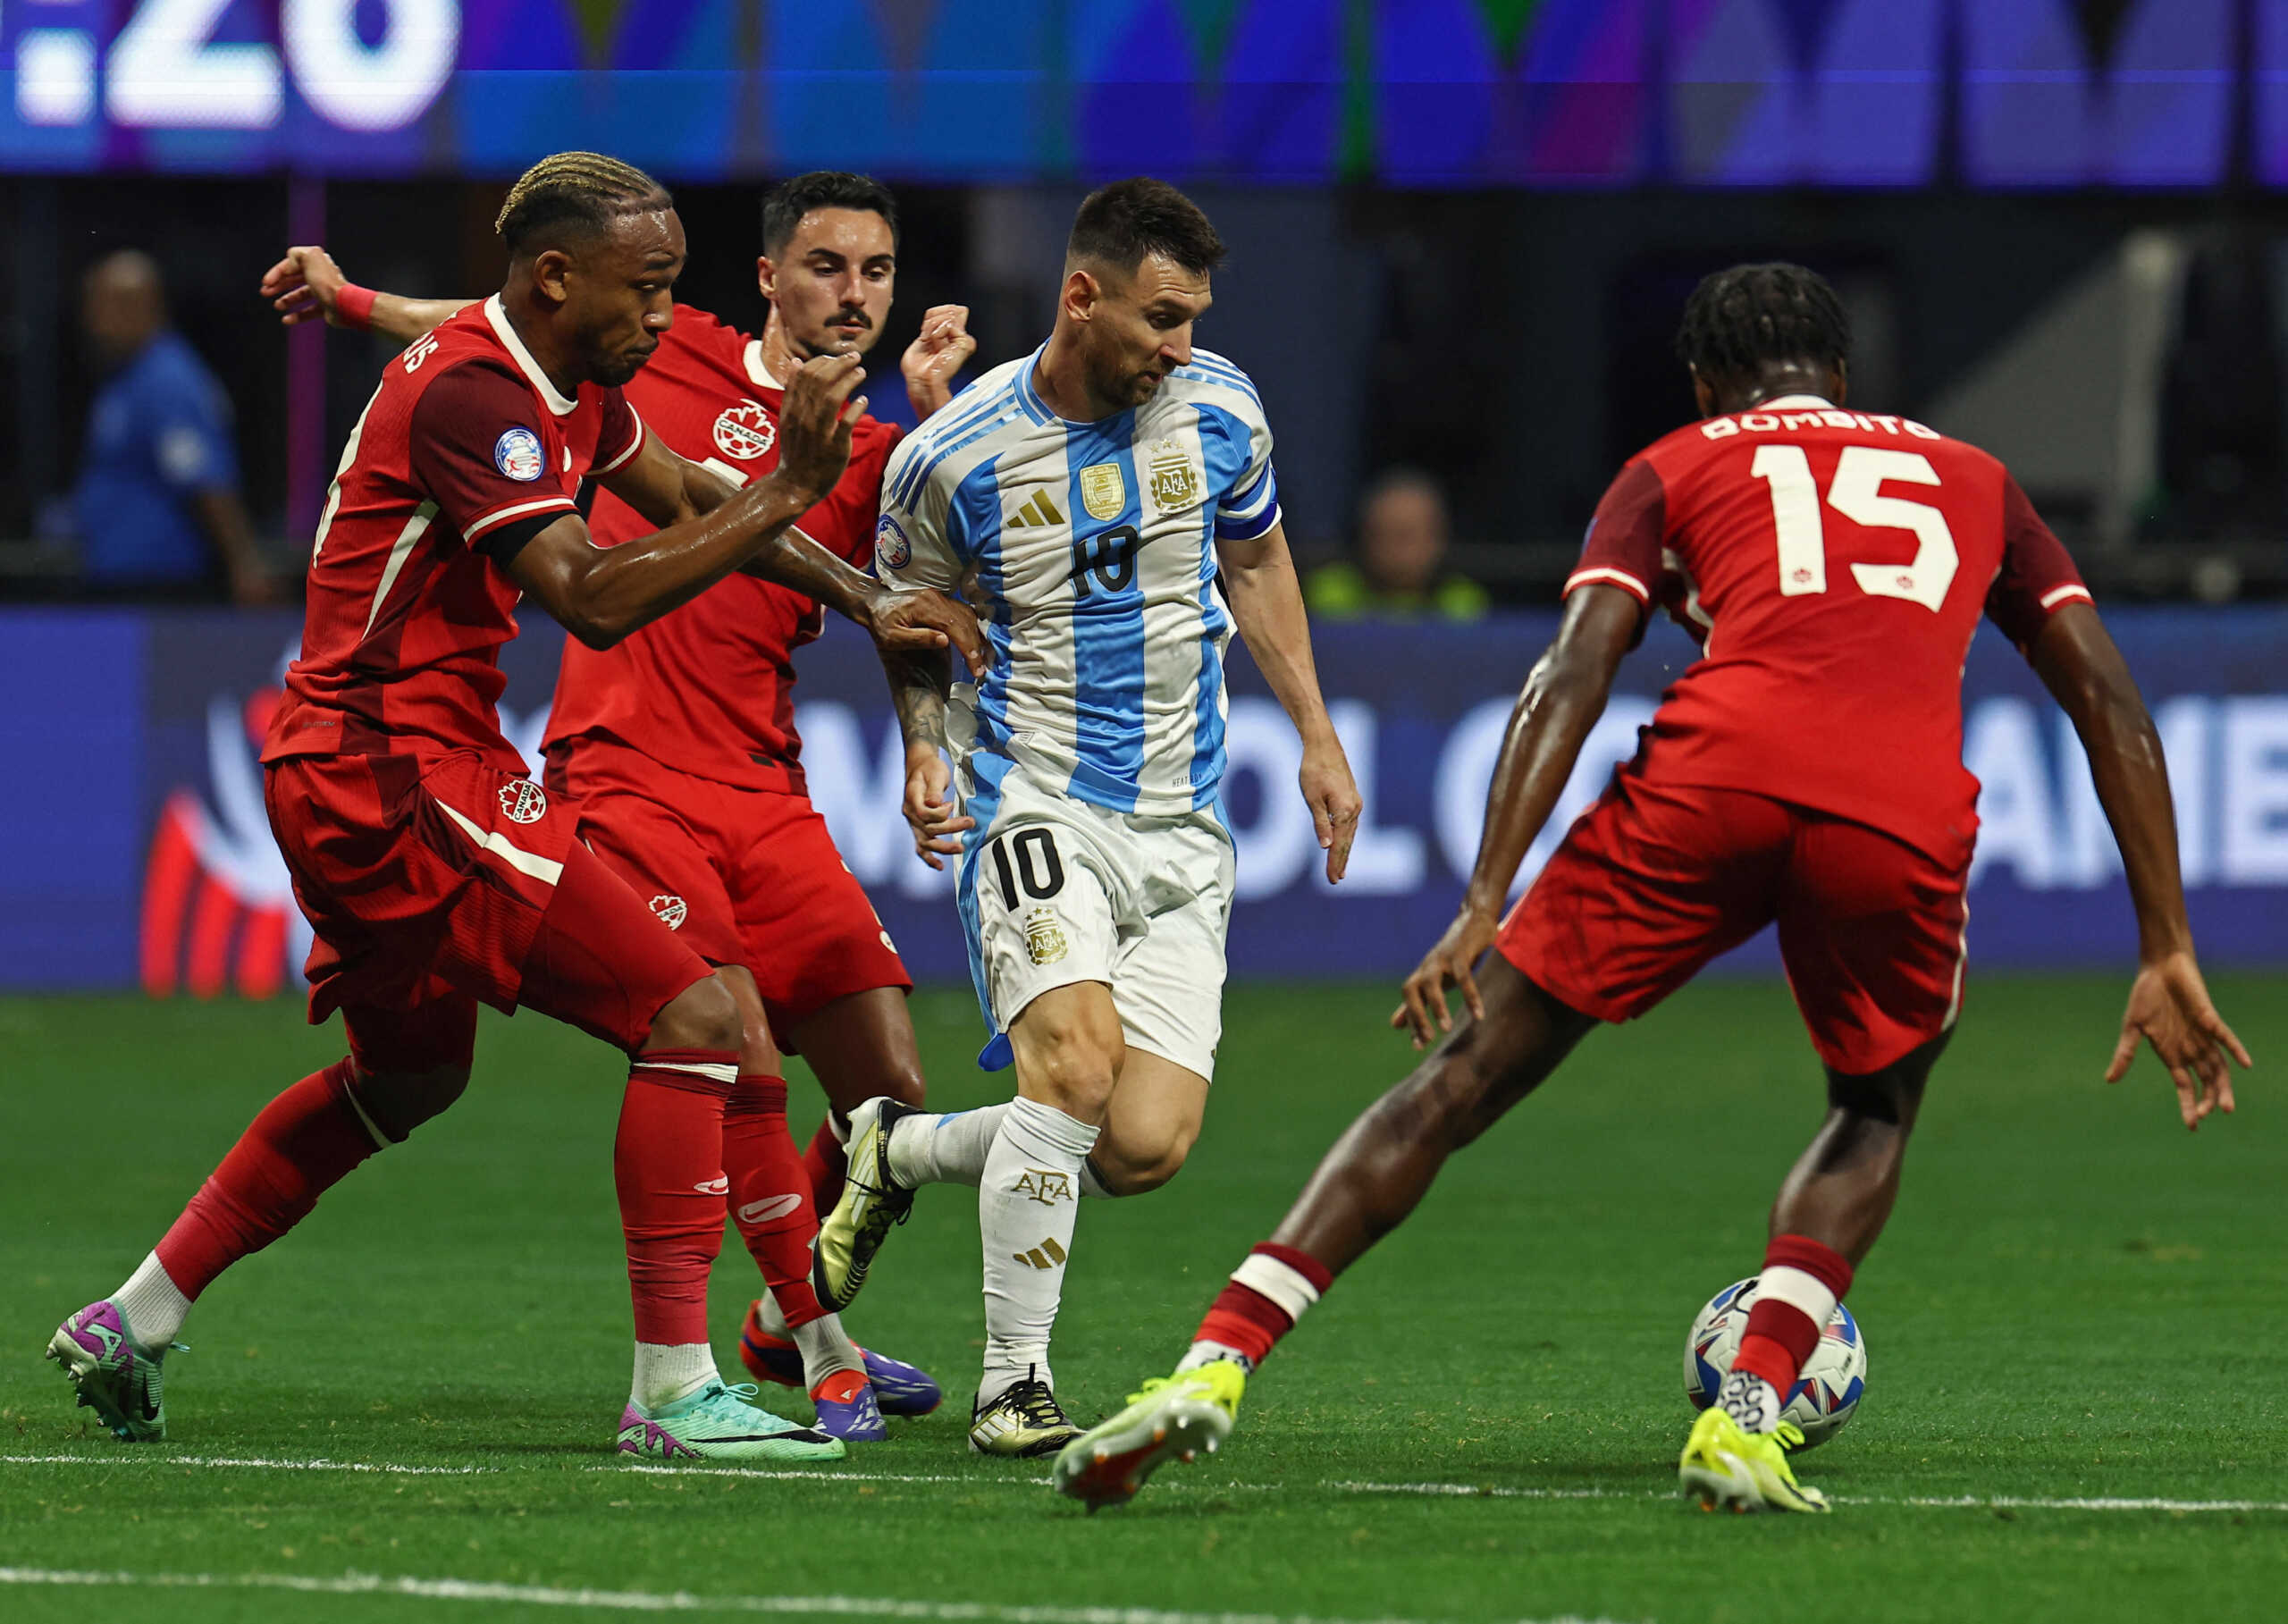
[{"x": 1802, "y": 1282}]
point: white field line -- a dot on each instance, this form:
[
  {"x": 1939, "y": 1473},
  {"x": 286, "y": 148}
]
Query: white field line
[
  {"x": 654, "y": 1601},
  {"x": 252, "y": 1464},
  {"x": 1455, "y": 1491},
  {"x": 1475, "y": 1491}
]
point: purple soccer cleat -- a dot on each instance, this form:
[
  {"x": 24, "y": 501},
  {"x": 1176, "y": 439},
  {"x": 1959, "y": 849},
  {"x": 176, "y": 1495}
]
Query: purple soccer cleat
[
  {"x": 846, "y": 1408},
  {"x": 900, "y": 1389},
  {"x": 115, "y": 1379}
]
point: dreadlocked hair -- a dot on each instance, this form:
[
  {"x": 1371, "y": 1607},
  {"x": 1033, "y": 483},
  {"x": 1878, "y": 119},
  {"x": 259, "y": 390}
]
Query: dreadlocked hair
[
  {"x": 574, "y": 194},
  {"x": 1739, "y": 320}
]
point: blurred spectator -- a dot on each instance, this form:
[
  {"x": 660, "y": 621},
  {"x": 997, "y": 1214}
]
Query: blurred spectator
[
  {"x": 1395, "y": 569},
  {"x": 157, "y": 504}
]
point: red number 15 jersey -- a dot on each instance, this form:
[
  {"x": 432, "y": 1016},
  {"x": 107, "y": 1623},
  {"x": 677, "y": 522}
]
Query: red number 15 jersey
[{"x": 1834, "y": 564}]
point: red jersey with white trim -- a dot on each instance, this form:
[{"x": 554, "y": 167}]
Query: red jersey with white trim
[
  {"x": 466, "y": 451},
  {"x": 1834, "y": 564},
  {"x": 709, "y": 690}
]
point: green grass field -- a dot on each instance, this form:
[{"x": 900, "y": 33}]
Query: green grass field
[{"x": 2076, "y": 1303}]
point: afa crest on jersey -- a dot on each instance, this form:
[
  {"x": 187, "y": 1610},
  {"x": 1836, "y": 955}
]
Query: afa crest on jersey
[
  {"x": 518, "y": 454},
  {"x": 1172, "y": 475},
  {"x": 892, "y": 549},
  {"x": 745, "y": 430}
]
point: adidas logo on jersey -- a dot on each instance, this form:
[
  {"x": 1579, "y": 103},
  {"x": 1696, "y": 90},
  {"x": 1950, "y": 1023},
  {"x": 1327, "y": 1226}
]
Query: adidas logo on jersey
[{"x": 1036, "y": 512}]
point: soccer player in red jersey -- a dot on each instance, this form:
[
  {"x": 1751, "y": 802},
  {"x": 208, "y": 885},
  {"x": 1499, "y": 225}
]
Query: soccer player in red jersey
[
  {"x": 435, "y": 874},
  {"x": 679, "y": 742},
  {"x": 1805, "y": 771}
]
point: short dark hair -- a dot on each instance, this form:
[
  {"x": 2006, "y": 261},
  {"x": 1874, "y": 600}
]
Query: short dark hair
[
  {"x": 784, "y": 204},
  {"x": 574, "y": 194},
  {"x": 1121, "y": 224},
  {"x": 1739, "y": 320}
]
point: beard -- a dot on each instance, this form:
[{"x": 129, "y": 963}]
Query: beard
[{"x": 1109, "y": 381}]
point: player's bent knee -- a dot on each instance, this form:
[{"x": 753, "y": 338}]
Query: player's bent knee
[
  {"x": 1892, "y": 1096},
  {"x": 1126, "y": 1169},
  {"x": 394, "y": 1104},
  {"x": 702, "y": 1016}
]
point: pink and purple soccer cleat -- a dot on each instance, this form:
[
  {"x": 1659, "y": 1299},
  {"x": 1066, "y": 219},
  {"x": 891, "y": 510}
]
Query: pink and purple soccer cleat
[{"x": 115, "y": 1379}]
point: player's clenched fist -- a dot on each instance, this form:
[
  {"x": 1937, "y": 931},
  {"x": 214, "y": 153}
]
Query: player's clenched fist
[
  {"x": 936, "y": 354},
  {"x": 814, "y": 422}
]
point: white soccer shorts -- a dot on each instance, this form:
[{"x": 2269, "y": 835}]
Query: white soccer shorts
[{"x": 1056, "y": 891}]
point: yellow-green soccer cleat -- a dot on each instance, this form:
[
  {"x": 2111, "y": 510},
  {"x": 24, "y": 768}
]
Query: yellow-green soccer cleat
[
  {"x": 1176, "y": 1416},
  {"x": 1741, "y": 1471},
  {"x": 1024, "y": 1422},
  {"x": 871, "y": 1201}
]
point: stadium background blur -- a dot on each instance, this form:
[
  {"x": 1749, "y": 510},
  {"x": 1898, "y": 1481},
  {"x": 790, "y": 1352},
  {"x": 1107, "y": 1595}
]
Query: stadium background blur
[{"x": 1462, "y": 233}]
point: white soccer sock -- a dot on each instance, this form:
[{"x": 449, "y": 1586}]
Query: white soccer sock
[
  {"x": 1026, "y": 1205},
  {"x": 668, "y": 1371},
  {"x": 825, "y": 1346},
  {"x": 153, "y": 1306},
  {"x": 826, "y": 1349},
  {"x": 944, "y": 1149}
]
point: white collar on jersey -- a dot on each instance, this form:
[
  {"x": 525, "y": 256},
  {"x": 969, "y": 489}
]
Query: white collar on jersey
[
  {"x": 1785, "y": 402},
  {"x": 756, "y": 369},
  {"x": 523, "y": 357}
]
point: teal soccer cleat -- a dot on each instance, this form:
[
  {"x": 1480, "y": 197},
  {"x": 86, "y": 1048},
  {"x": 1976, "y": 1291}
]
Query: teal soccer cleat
[{"x": 721, "y": 1423}]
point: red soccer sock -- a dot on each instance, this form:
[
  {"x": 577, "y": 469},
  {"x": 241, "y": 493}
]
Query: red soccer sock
[
  {"x": 1802, "y": 1282},
  {"x": 667, "y": 1165},
  {"x": 826, "y": 1163},
  {"x": 1265, "y": 1296},
  {"x": 771, "y": 1193},
  {"x": 299, "y": 1146}
]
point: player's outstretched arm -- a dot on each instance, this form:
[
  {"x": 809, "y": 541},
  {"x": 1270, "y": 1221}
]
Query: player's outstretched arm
[
  {"x": 2170, "y": 1006},
  {"x": 308, "y": 286},
  {"x": 602, "y": 593},
  {"x": 693, "y": 507},
  {"x": 1267, "y": 608},
  {"x": 1563, "y": 697}
]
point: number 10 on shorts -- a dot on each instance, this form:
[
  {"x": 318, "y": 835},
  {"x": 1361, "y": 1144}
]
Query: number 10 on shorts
[{"x": 1028, "y": 858}]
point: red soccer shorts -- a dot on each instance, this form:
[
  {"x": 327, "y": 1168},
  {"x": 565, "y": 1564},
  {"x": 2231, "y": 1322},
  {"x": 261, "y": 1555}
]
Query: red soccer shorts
[
  {"x": 1655, "y": 880},
  {"x": 748, "y": 877},
  {"x": 429, "y": 886}
]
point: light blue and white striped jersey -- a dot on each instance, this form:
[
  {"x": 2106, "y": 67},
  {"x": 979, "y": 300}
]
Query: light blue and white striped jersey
[{"x": 1091, "y": 546}]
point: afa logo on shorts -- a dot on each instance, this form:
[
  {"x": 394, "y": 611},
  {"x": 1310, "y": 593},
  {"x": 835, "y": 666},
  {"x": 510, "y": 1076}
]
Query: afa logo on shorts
[
  {"x": 671, "y": 911},
  {"x": 892, "y": 550},
  {"x": 1044, "y": 942},
  {"x": 516, "y": 454},
  {"x": 522, "y": 801}
]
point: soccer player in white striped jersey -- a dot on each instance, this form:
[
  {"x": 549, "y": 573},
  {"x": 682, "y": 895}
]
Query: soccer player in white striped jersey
[{"x": 1085, "y": 500}]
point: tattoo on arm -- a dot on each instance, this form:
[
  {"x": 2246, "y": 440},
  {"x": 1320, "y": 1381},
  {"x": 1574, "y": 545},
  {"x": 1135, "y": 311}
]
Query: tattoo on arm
[{"x": 918, "y": 684}]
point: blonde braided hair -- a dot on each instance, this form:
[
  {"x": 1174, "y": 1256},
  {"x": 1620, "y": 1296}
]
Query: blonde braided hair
[{"x": 586, "y": 187}]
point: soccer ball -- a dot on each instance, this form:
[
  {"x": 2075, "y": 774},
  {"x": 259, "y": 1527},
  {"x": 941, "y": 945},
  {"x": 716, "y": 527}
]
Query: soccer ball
[{"x": 1826, "y": 1395}]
